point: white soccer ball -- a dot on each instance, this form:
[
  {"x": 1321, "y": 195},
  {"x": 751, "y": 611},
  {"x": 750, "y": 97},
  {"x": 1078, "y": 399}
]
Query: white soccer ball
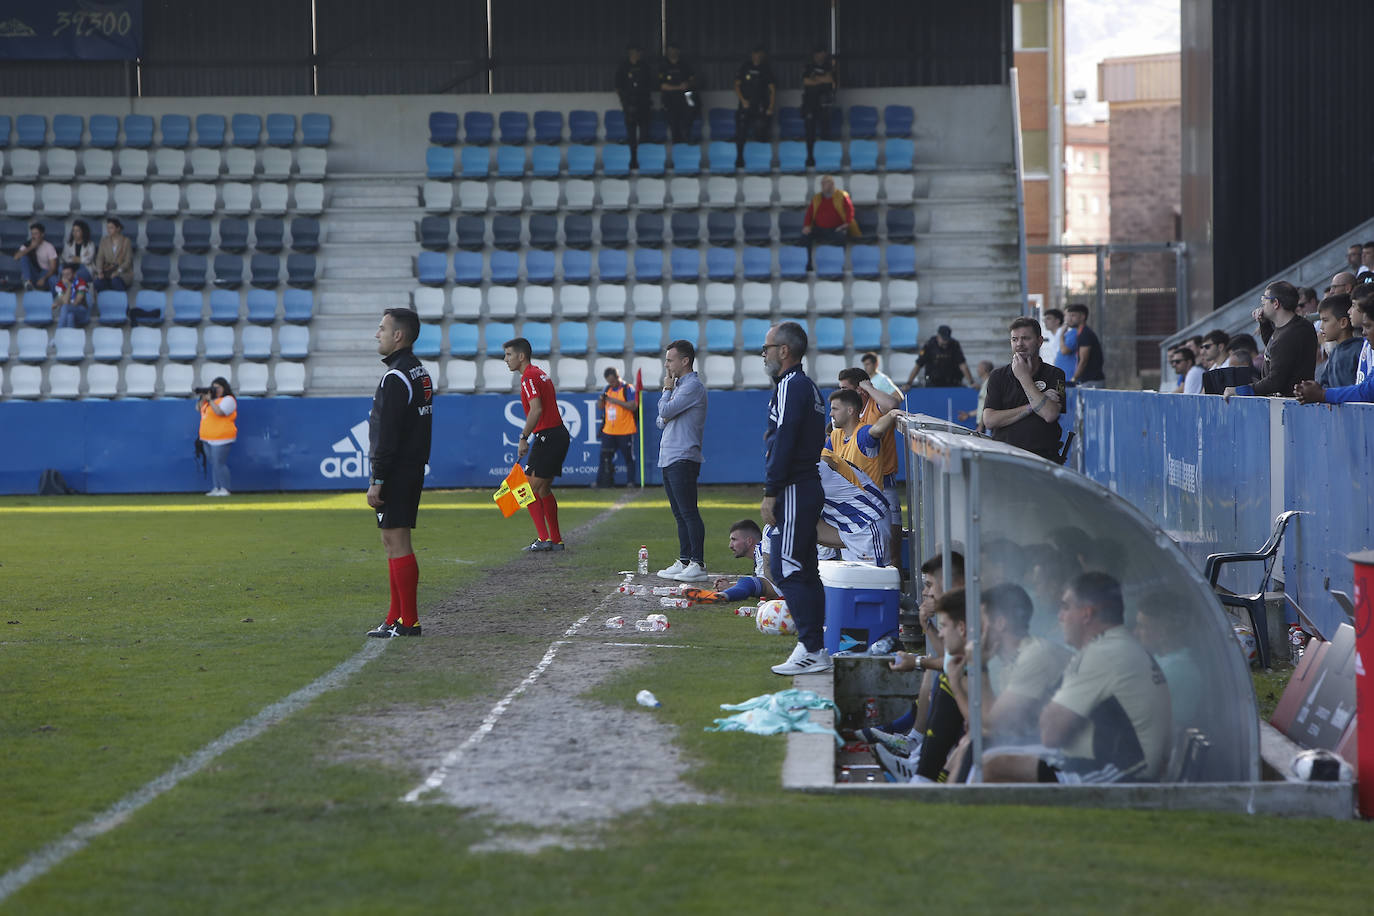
[
  {"x": 774, "y": 619},
  {"x": 1249, "y": 647},
  {"x": 1319, "y": 765}
]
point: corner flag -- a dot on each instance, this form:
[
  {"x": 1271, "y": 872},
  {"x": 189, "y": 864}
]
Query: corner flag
[{"x": 515, "y": 492}]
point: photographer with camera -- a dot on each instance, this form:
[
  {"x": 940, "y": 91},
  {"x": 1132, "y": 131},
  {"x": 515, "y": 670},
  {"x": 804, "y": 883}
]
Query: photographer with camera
[{"x": 218, "y": 410}]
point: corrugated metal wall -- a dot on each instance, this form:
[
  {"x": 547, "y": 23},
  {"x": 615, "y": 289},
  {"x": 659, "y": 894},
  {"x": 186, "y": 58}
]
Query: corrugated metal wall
[
  {"x": 418, "y": 46},
  {"x": 1293, "y": 143},
  {"x": 716, "y": 36},
  {"x": 926, "y": 44},
  {"x": 573, "y": 46},
  {"x": 244, "y": 47}
]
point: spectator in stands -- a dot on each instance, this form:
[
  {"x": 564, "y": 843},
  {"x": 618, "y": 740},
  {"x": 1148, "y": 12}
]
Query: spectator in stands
[
  {"x": 1307, "y": 302},
  {"x": 114, "y": 259},
  {"x": 880, "y": 380},
  {"x": 633, "y": 82},
  {"x": 37, "y": 259},
  {"x": 943, "y": 360},
  {"x": 1293, "y": 348},
  {"x": 1354, "y": 258},
  {"x": 1110, "y": 719},
  {"x": 1366, "y": 261},
  {"x": 1237, "y": 371},
  {"x": 756, "y": 90},
  {"x": 1052, "y": 321},
  {"x": 218, "y": 412},
  {"x": 81, "y": 250},
  {"x": 677, "y": 83},
  {"x": 818, "y": 95},
  {"x": 618, "y": 402},
  {"x": 1363, "y": 387},
  {"x": 829, "y": 218},
  {"x": 1026, "y": 396},
  {"x": 1342, "y": 282},
  {"x": 682, "y": 421},
  {"x": 1087, "y": 371},
  {"x": 1342, "y": 345},
  {"x": 985, "y": 370},
  {"x": 1067, "y": 360},
  {"x": 1243, "y": 351},
  {"x": 1190, "y": 373},
  {"x": 1162, "y": 625},
  {"x": 1215, "y": 349},
  {"x": 70, "y": 301}
]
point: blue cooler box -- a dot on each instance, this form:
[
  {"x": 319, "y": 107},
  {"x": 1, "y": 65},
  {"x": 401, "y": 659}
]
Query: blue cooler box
[{"x": 861, "y": 603}]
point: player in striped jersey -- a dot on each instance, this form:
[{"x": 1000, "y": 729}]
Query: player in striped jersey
[{"x": 854, "y": 516}]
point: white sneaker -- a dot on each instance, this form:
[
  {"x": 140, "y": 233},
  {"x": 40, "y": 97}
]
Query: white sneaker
[
  {"x": 692, "y": 572},
  {"x": 672, "y": 571},
  {"x": 214, "y": 492},
  {"x": 223, "y": 492},
  {"x": 804, "y": 662}
]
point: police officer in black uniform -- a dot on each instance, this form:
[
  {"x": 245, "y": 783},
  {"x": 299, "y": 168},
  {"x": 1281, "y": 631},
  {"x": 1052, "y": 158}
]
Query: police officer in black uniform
[
  {"x": 677, "y": 83},
  {"x": 633, "y": 82},
  {"x": 756, "y": 90},
  {"x": 818, "y": 95}
]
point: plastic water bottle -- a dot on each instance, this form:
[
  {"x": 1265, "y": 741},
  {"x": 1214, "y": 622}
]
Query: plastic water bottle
[
  {"x": 645, "y": 698},
  {"x": 882, "y": 646},
  {"x": 654, "y": 623},
  {"x": 627, "y": 589},
  {"x": 643, "y": 560},
  {"x": 746, "y": 611},
  {"x": 675, "y": 602},
  {"x": 668, "y": 589},
  {"x": 616, "y": 623}
]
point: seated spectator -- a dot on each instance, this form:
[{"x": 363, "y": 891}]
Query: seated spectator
[
  {"x": 874, "y": 403},
  {"x": 880, "y": 380},
  {"x": 71, "y": 301},
  {"x": 856, "y": 506},
  {"x": 1341, "y": 343},
  {"x": 1307, "y": 302},
  {"x": 1344, "y": 281},
  {"x": 943, "y": 359},
  {"x": 114, "y": 259},
  {"x": 37, "y": 259},
  {"x": 1162, "y": 628},
  {"x": 1366, "y": 261},
  {"x": 829, "y": 218},
  {"x": 1190, "y": 374},
  {"x": 1215, "y": 349},
  {"x": 1363, "y": 388},
  {"x": 1110, "y": 720},
  {"x": 81, "y": 250},
  {"x": 1293, "y": 348},
  {"x": 1353, "y": 259}
]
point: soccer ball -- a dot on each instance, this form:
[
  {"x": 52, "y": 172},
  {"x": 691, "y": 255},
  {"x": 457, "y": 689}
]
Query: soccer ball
[
  {"x": 774, "y": 619},
  {"x": 1319, "y": 765},
  {"x": 1245, "y": 637}
]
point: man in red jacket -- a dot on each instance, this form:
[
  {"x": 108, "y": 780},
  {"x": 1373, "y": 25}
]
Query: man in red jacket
[{"x": 829, "y": 218}]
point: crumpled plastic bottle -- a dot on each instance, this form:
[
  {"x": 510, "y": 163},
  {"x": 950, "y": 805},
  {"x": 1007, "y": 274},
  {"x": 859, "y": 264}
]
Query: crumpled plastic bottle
[
  {"x": 645, "y": 698},
  {"x": 617, "y": 622},
  {"x": 654, "y": 623}
]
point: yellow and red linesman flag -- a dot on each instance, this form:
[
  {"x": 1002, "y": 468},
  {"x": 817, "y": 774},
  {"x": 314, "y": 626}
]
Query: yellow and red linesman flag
[{"x": 515, "y": 492}]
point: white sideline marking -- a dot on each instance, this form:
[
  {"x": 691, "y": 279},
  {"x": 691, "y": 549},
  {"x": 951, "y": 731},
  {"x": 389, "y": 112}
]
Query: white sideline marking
[
  {"x": 80, "y": 836},
  {"x": 648, "y": 645},
  {"x": 451, "y": 759}
]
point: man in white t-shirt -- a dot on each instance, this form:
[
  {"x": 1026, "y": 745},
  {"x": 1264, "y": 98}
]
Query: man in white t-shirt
[
  {"x": 880, "y": 380},
  {"x": 1052, "y": 320},
  {"x": 1190, "y": 373}
]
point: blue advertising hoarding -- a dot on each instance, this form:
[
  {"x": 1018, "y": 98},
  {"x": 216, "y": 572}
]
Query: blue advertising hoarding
[{"x": 71, "y": 30}]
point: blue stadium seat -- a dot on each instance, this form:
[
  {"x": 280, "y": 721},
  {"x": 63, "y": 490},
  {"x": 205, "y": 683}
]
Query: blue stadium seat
[
  {"x": 114, "y": 308},
  {"x": 581, "y": 161},
  {"x": 478, "y": 127},
  {"x": 305, "y": 234},
  {"x": 228, "y": 271},
  {"x": 428, "y": 343},
  {"x": 792, "y": 262},
  {"x": 649, "y": 230},
  {"x": 150, "y": 305},
  {"x": 720, "y": 336},
  {"x": 156, "y": 271},
  {"x": 897, "y": 120},
  {"x": 224, "y": 306},
  {"x": 443, "y": 128},
  {"x": 898, "y": 155},
  {"x": 434, "y": 232},
  {"x": 548, "y": 127},
  {"x": 721, "y": 157},
  {"x": 182, "y": 344},
  {"x": 265, "y": 270},
  {"x": 615, "y": 160},
  {"x": 658, "y": 127},
  {"x": 610, "y": 338},
  {"x": 864, "y": 262},
  {"x": 462, "y": 339},
  {"x": 9, "y": 309},
  {"x": 614, "y": 122},
  {"x": 268, "y": 235},
  {"x": 653, "y": 159},
  {"x": 498, "y": 332},
  {"x": 828, "y": 334},
  {"x": 582, "y": 126},
  {"x": 546, "y": 161},
  {"x": 577, "y": 230},
  {"x": 758, "y": 158},
  {"x": 686, "y": 159},
  {"x": 791, "y": 125},
  {"x": 281, "y": 129},
  {"x": 191, "y": 271},
  {"x": 791, "y": 157},
  {"x": 67, "y": 130},
  {"x": 476, "y": 161},
  {"x": 14, "y": 233},
  {"x": 646, "y": 336},
  {"x": 752, "y": 333},
  {"x": 515, "y": 127},
  {"x": 868, "y": 333},
  {"x": 863, "y": 123},
  {"x": 187, "y": 306},
  {"x": 758, "y": 263},
  {"x": 683, "y": 329},
  {"x": 246, "y": 130},
  {"x": 577, "y": 266},
  {"x": 648, "y": 265},
  {"x": 176, "y": 131},
  {"x": 829, "y": 155},
  {"x": 903, "y": 332},
  {"x": 867, "y": 221},
  {"x": 901, "y": 260},
  {"x": 543, "y": 230},
  {"x": 572, "y": 338},
  {"x": 31, "y": 131},
  {"x": 138, "y": 131},
  {"x": 161, "y": 236},
  {"x": 10, "y": 277},
  {"x": 4, "y": 131},
  {"x": 539, "y": 266},
  {"x": 722, "y": 124},
  {"x": 863, "y": 155},
  {"x": 298, "y": 305},
  {"x": 510, "y": 162},
  {"x": 506, "y": 230},
  {"x": 233, "y": 234},
  {"x": 104, "y": 131},
  {"x": 901, "y": 225},
  {"x": 439, "y": 162},
  {"x": 505, "y": 267},
  {"x": 758, "y": 227},
  {"x": 210, "y": 130},
  {"x": 686, "y": 227},
  {"x": 294, "y": 343},
  {"x": 829, "y": 262},
  {"x": 257, "y": 342},
  {"x": 300, "y": 270},
  {"x": 540, "y": 336},
  {"x": 316, "y": 129},
  {"x": 615, "y": 230},
  {"x": 468, "y": 268},
  {"x": 472, "y": 233},
  {"x": 685, "y": 264},
  {"x": 720, "y": 263},
  {"x": 612, "y": 265},
  {"x": 262, "y": 306},
  {"x": 720, "y": 228}
]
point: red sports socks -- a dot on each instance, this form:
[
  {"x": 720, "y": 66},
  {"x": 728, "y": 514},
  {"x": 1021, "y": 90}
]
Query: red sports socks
[
  {"x": 551, "y": 513},
  {"x": 537, "y": 513},
  {"x": 405, "y": 580}
]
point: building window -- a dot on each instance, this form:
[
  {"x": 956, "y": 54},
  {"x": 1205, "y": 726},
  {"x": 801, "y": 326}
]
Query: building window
[
  {"x": 1096, "y": 205},
  {"x": 1097, "y": 162},
  {"x": 1082, "y": 203}
]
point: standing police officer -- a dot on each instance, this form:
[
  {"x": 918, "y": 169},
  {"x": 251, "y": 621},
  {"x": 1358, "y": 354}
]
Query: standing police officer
[
  {"x": 676, "y": 83},
  {"x": 756, "y": 90},
  {"x": 818, "y": 95},
  {"x": 632, "y": 83}
]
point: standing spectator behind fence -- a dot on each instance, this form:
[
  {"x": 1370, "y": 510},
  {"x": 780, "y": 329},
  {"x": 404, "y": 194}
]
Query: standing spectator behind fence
[
  {"x": 818, "y": 95},
  {"x": 1363, "y": 389},
  {"x": 1087, "y": 349},
  {"x": 677, "y": 83},
  {"x": 37, "y": 259},
  {"x": 1026, "y": 396},
  {"x": 71, "y": 300},
  {"x": 829, "y": 218},
  {"x": 1353, "y": 258},
  {"x": 1052, "y": 326},
  {"x": 632, "y": 83},
  {"x": 880, "y": 380},
  {"x": 1366, "y": 261},
  {"x": 1293, "y": 347},
  {"x": 943, "y": 360},
  {"x": 80, "y": 250},
  {"x": 682, "y": 420},
  {"x": 1189, "y": 372},
  {"x": 1342, "y": 344},
  {"x": 218, "y": 412},
  {"x": 114, "y": 259},
  {"x": 757, "y": 91}
]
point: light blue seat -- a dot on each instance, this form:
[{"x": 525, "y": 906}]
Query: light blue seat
[
  {"x": 581, "y": 161},
  {"x": 901, "y": 260},
  {"x": 478, "y": 127},
  {"x": 720, "y": 156},
  {"x": 612, "y": 265},
  {"x": 686, "y": 159},
  {"x": 293, "y": 341},
  {"x": 898, "y": 155},
  {"x": 540, "y": 336},
  {"x": 865, "y": 262},
  {"x": 69, "y": 345},
  {"x": 610, "y": 338},
  {"x": 582, "y": 126},
  {"x": 257, "y": 343},
  {"x": 577, "y": 266},
  {"x": 32, "y": 345},
  {"x": 758, "y": 158},
  {"x": 138, "y": 131},
  {"x": 791, "y": 157},
  {"x": 431, "y": 268},
  {"x": 615, "y": 160},
  {"x": 224, "y": 306},
  {"x": 281, "y": 129},
  {"x": 467, "y": 268},
  {"x": 829, "y": 262},
  {"x": 439, "y": 162},
  {"x": 648, "y": 265},
  {"x": 792, "y": 262},
  {"x": 298, "y": 305},
  {"x": 176, "y": 131},
  {"x": 515, "y": 127},
  {"x": 683, "y": 329},
  {"x": 572, "y": 338},
  {"x": 510, "y": 161},
  {"x": 246, "y": 130},
  {"x": 863, "y": 155},
  {"x": 653, "y": 158},
  {"x": 903, "y": 333},
  {"x": 758, "y": 263},
  {"x": 897, "y": 120},
  {"x": 262, "y": 306},
  {"x": 150, "y": 303},
  {"x": 863, "y": 124},
  {"x": 505, "y": 267},
  {"x": 145, "y": 344},
  {"x": 685, "y": 264},
  {"x": 462, "y": 339},
  {"x": 427, "y": 345},
  {"x": 828, "y": 334},
  {"x": 720, "y": 336},
  {"x": 182, "y": 344},
  {"x": 548, "y": 127},
  {"x": 476, "y": 161},
  {"x": 546, "y": 161},
  {"x": 647, "y": 336},
  {"x": 539, "y": 266},
  {"x": 188, "y": 306},
  {"x": 720, "y": 263},
  {"x": 67, "y": 130},
  {"x": 829, "y": 155},
  {"x": 752, "y": 333},
  {"x": 210, "y": 130},
  {"x": 31, "y": 131},
  {"x": 868, "y": 333},
  {"x": 316, "y": 129},
  {"x": 498, "y": 332}
]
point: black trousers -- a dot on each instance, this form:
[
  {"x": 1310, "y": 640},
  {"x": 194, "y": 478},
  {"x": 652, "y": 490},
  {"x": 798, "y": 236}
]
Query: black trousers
[
  {"x": 680, "y": 116},
  {"x": 751, "y": 119},
  {"x": 636, "y": 130}
]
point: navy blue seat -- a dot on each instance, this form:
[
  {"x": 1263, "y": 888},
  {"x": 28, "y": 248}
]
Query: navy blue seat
[
  {"x": 468, "y": 268},
  {"x": 210, "y": 130},
  {"x": 224, "y": 306},
  {"x": 14, "y": 233},
  {"x": 265, "y": 271},
  {"x": 615, "y": 126},
  {"x": 281, "y": 129},
  {"x": 612, "y": 265},
  {"x": 577, "y": 266},
  {"x": 138, "y": 131},
  {"x": 268, "y": 235},
  {"x": 577, "y": 230},
  {"x": 515, "y": 127},
  {"x": 863, "y": 122},
  {"x": 104, "y": 131},
  {"x": 262, "y": 306},
  {"x": 305, "y": 234},
  {"x": 4, "y": 131},
  {"x": 901, "y": 225},
  {"x": 720, "y": 228},
  {"x": 506, "y": 231},
  {"x": 478, "y": 127},
  {"x": 758, "y": 263},
  {"x": 548, "y": 127},
  {"x": 67, "y": 130},
  {"x": 443, "y": 128},
  {"x": 434, "y": 232},
  {"x": 233, "y": 234},
  {"x": 649, "y": 230},
  {"x": 505, "y": 267},
  {"x": 31, "y": 131},
  {"x": 228, "y": 271},
  {"x": 155, "y": 271},
  {"x": 791, "y": 125},
  {"x": 722, "y": 124},
  {"x": 176, "y": 131},
  {"x": 867, "y": 221},
  {"x": 246, "y": 130},
  {"x": 615, "y": 230},
  {"x": 758, "y": 227},
  {"x": 472, "y": 233},
  {"x": 543, "y": 230},
  {"x": 686, "y": 227},
  {"x": 298, "y": 305},
  {"x": 300, "y": 270},
  {"x": 648, "y": 265},
  {"x": 161, "y": 236},
  {"x": 316, "y": 129},
  {"x": 897, "y": 120},
  {"x": 191, "y": 271},
  {"x": 582, "y": 126}
]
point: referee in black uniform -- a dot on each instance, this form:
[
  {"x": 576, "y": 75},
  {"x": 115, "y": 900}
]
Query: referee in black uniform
[
  {"x": 633, "y": 81},
  {"x": 818, "y": 95},
  {"x": 756, "y": 90},
  {"x": 398, "y": 432},
  {"x": 676, "y": 84}
]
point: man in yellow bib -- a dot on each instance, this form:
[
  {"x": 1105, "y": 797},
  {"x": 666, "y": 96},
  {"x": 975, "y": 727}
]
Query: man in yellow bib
[
  {"x": 619, "y": 401},
  {"x": 829, "y": 218}
]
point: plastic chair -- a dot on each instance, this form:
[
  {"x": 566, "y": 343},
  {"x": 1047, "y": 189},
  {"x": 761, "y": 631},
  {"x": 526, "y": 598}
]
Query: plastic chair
[
  {"x": 901, "y": 261},
  {"x": 863, "y": 155},
  {"x": 792, "y": 262},
  {"x": 793, "y": 298},
  {"x": 721, "y": 191},
  {"x": 758, "y": 263},
  {"x": 268, "y": 235},
  {"x": 581, "y": 161},
  {"x": 443, "y": 128},
  {"x": 615, "y": 160},
  {"x": 546, "y": 161},
  {"x": 187, "y": 306},
  {"x": 300, "y": 270},
  {"x": 428, "y": 344},
  {"x": 246, "y": 130},
  {"x": 25, "y": 165},
  {"x": 829, "y": 154},
  {"x": 686, "y": 264},
  {"x": 539, "y": 266},
  {"x": 574, "y": 301},
  {"x": 903, "y": 332},
  {"x": 646, "y": 336},
  {"x": 720, "y": 263},
  {"x": 19, "y": 199},
  {"x": 612, "y": 265},
  {"x": 898, "y": 155},
  {"x": 155, "y": 271},
  {"x": 437, "y": 196},
  {"x": 791, "y": 124},
  {"x": 653, "y": 159},
  {"x": 686, "y": 228},
  {"x": 56, "y": 199},
  {"x": 478, "y": 127},
  {"x": 175, "y": 131},
  {"x": 506, "y": 231},
  {"x": 582, "y": 126},
  {"x": 472, "y": 232},
  {"x": 435, "y": 232},
  {"x": 265, "y": 270},
  {"x": 210, "y": 130},
  {"x": 758, "y": 158},
  {"x": 686, "y": 159},
  {"x": 577, "y": 266},
  {"x": 31, "y": 131},
  {"x": 218, "y": 342},
  {"x": 721, "y": 122},
  {"x": 720, "y": 156},
  {"x": 228, "y": 271},
  {"x": 224, "y": 307},
  {"x": 829, "y": 261},
  {"x": 288, "y": 378},
  {"x": 262, "y": 306},
  {"x": 863, "y": 123},
  {"x": 1252, "y": 604},
  {"x": 615, "y": 230},
  {"x": 309, "y": 197},
  {"x": 791, "y": 157},
  {"x": 316, "y": 129},
  {"x": 614, "y": 125},
  {"x": 468, "y": 268},
  {"x": 61, "y": 164},
  {"x": 510, "y": 161},
  {"x": 720, "y": 298},
  {"x": 281, "y": 129},
  {"x": 543, "y": 230},
  {"x": 515, "y": 127},
  {"x": 685, "y": 193},
  {"x": 867, "y": 333},
  {"x": 138, "y": 131},
  {"x": 540, "y": 336},
  {"x": 98, "y": 164},
  {"x": 864, "y": 261},
  {"x": 298, "y": 306},
  {"x": 505, "y": 267},
  {"x": 610, "y": 300},
  {"x": 548, "y": 127},
  {"x": 897, "y": 120},
  {"x": 901, "y": 225},
  {"x": 648, "y": 265},
  {"x": 579, "y": 194},
  {"x": 439, "y": 162},
  {"x": 498, "y": 332}
]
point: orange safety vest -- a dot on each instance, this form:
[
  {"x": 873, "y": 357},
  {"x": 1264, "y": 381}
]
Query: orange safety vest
[
  {"x": 216, "y": 428},
  {"x": 619, "y": 421},
  {"x": 838, "y": 199}
]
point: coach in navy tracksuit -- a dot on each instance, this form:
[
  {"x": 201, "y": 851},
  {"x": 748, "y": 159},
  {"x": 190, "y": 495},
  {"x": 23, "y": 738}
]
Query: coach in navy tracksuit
[{"x": 793, "y": 497}]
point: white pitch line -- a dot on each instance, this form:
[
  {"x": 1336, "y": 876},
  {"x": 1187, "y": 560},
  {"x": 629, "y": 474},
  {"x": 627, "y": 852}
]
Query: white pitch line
[
  {"x": 648, "y": 645},
  {"x": 80, "y": 836}
]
